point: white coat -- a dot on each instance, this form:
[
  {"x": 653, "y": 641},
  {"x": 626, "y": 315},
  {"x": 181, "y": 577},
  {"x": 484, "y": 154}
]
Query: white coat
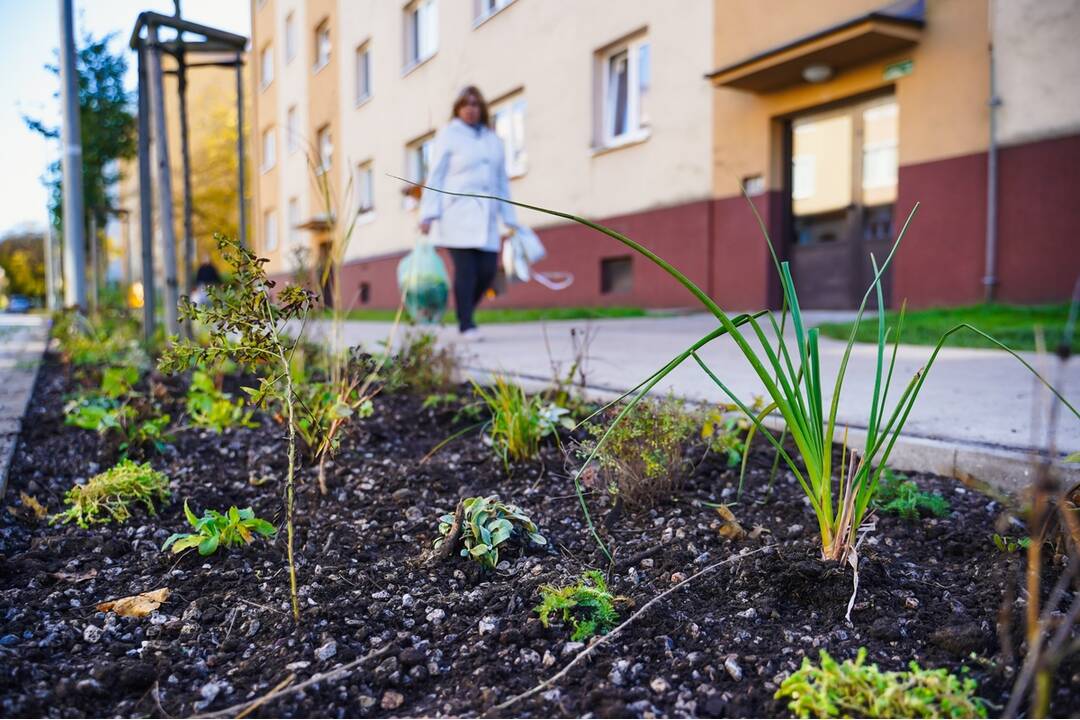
[{"x": 467, "y": 160}]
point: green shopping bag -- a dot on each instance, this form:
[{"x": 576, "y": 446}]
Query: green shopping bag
[{"x": 424, "y": 284}]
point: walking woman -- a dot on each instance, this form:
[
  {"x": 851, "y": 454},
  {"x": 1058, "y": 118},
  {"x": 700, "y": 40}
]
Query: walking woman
[{"x": 468, "y": 157}]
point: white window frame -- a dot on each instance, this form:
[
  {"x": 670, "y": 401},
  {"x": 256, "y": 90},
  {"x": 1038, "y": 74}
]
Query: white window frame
[
  {"x": 270, "y": 231},
  {"x": 637, "y": 123},
  {"x": 292, "y": 129},
  {"x": 483, "y": 10},
  {"x": 266, "y": 66},
  {"x": 290, "y": 38},
  {"x": 362, "y": 71},
  {"x": 421, "y": 16},
  {"x": 803, "y": 177},
  {"x": 322, "y": 61},
  {"x": 324, "y": 141},
  {"x": 416, "y": 164},
  {"x": 365, "y": 190},
  {"x": 269, "y": 149},
  {"x": 294, "y": 222},
  {"x": 513, "y": 135}
]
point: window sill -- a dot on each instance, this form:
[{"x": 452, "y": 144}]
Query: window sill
[
  {"x": 362, "y": 101},
  {"x": 317, "y": 68},
  {"x": 517, "y": 174},
  {"x": 264, "y": 170},
  {"x": 627, "y": 140},
  {"x": 409, "y": 68},
  {"x": 264, "y": 88},
  {"x": 365, "y": 217},
  {"x": 481, "y": 20}
]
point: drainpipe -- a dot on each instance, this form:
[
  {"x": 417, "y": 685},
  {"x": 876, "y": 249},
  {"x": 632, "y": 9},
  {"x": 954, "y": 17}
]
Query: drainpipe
[{"x": 989, "y": 279}]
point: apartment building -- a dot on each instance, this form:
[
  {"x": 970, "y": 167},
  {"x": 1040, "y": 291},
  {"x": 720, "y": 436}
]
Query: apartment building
[
  {"x": 602, "y": 105},
  {"x": 651, "y": 117}
]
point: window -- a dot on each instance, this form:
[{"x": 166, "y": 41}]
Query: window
[
  {"x": 270, "y": 238},
  {"x": 294, "y": 223},
  {"x": 365, "y": 293},
  {"x": 421, "y": 31},
  {"x": 290, "y": 38},
  {"x": 365, "y": 189},
  {"x": 363, "y": 73},
  {"x": 508, "y": 116},
  {"x": 292, "y": 130},
  {"x": 266, "y": 67},
  {"x": 879, "y": 158},
  {"x": 626, "y": 74},
  {"x": 803, "y": 169},
  {"x": 269, "y": 149},
  {"x": 616, "y": 275},
  {"x": 419, "y": 158},
  {"x": 326, "y": 148},
  {"x": 487, "y": 8},
  {"x": 322, "y": 44}
]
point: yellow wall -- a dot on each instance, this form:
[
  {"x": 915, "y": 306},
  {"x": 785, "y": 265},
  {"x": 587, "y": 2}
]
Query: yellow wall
[{"x": 943, "y": 102}]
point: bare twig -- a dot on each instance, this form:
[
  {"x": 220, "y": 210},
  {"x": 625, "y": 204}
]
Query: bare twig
[
  {"x": 450, "y": 541},
  {"x": 243, "y": 708},
  {"x": 629, "y": 621}
]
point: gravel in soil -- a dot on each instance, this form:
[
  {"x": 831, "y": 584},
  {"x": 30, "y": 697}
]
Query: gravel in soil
[{"x": 458, "y": 640}]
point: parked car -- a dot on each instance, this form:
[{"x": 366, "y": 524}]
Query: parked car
[{"x": 19, "y": 304}]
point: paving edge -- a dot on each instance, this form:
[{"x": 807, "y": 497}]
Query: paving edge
[
  {"x": 1007, "y": 470},
  {"x": 16, "y": 430}
]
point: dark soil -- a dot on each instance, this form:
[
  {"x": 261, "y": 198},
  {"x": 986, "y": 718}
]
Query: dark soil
[{"x": 462, "y": 639}]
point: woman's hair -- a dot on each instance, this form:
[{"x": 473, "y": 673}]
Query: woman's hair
[{"x": 471, "y": 91}]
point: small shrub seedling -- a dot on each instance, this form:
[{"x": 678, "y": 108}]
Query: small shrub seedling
[
  {"x": 214, "y": 530},
  {"x": 586, "y": 605},
  {"x": 419, "y": 365},
  {"x": 487, "y": 525},
  {"x": 246, "y": 323},
  {"x": 900, "y": 496},
  {"x": 1010, "y": 544},
  {"x": 105, "y": 497},
  {"x": 642, "y": 459},
  {"x": 518, "y": 422},
  {"x": 724, "y": 433},
  {"x": 105, "y": 338},
  {"x": 210, "y": 408},
  {"x": 855, "y": 689},
  {"x": 115, "y": 409}
]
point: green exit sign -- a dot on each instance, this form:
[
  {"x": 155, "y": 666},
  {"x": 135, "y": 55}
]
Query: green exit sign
[{"x": 898, "y": 70}]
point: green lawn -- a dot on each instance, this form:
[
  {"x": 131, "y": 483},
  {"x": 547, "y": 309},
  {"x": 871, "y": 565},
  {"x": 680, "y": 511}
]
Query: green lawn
[
  {"x": 510, "y": 315},
  {"x": 1013, "y": 325}
]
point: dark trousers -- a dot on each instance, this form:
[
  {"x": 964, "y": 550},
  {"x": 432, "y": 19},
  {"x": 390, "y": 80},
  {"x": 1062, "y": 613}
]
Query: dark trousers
[{"x": 474, "y": 271}]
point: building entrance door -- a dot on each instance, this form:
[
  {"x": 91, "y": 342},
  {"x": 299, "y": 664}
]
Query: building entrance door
[{"x": 843, "y": 188}]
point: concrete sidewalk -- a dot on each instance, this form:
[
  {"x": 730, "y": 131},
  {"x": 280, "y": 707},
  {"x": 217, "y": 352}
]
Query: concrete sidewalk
[
  {"x": 973, "y": 401},
  {"x": 22, "y": 343}
]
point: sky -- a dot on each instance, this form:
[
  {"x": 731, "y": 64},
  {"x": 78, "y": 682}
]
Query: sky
[{"x": 29, "y": 37}]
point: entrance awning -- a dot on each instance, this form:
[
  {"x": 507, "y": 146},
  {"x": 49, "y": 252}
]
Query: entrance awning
[{"x": 850, "y": 43}]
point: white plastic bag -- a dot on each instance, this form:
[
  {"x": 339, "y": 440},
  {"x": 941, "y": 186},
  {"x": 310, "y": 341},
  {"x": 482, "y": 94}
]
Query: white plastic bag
[{"x": 520, "y": 251}]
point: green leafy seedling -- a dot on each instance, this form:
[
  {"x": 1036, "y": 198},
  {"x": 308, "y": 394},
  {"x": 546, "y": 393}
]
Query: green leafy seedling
[
  {"x": 586, "y": 605},
  {"x": 213, "y": 409},
  {"x": 488, "y": 525},
  {"x": 855, "y": 689},
  {"x": 900, "y": 496},
  {"x": 214, "y": 530},
  {"x": 1010, "y": 544}
]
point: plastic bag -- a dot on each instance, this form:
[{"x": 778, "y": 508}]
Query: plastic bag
[
  {"x": 521, "y": 250},
  {"x": 424, "y": 284}
]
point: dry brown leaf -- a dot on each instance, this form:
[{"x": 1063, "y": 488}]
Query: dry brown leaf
[
  {"x": 137, "y": 606},
  {"x": 75, "y": 577},
  {"x": 729, "y": 527},
  {"x": 40, "y": 511}
]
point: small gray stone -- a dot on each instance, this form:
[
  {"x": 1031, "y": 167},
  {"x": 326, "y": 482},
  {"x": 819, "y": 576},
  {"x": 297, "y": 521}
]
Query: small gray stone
[
  {"x": 92, "y": 634},
  {"x": 488, "y": 624},
  {"x": 572, "y": 647},
  {"x": 391, "y": 700},
  {"x": 326, "y": 651},
  {"x": 659, "y": 685},
  {"x": 732, "y": 666}
]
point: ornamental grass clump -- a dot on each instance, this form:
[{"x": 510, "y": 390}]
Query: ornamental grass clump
[
  {"x": 518, "y": 421},
  {"x": 586, "y": 606},
  {"x": 107, "y": 497},
  {"x": 796, "y": 390},
  {"x": 246, "y": 322},
  {"x": 855, "y": 689},
  {"x": 642, "y": 461}
]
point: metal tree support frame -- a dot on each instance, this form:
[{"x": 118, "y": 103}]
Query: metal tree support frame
[{"x": 149, "y": 48}]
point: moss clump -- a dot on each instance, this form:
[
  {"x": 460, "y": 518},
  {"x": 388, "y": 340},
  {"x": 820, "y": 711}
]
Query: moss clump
[{"x": 586, "y": 605}]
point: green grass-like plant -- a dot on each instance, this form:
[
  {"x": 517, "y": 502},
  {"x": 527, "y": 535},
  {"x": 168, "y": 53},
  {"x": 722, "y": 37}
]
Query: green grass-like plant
[
  {"x": 519, "y": 422},
  {"x": 586, "y": 605},
  {"x": 211, "y": 409},
  {"x": 107, "y": 496},
  {"x": 642, "y": 458},
  {"x": 855, "y": 689},
  {"x": 488, "y": 525},
  {"x": 796, "y": 390},
  {"x": 214, "y": 530},
  {"x": 900, "y": 496}
]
